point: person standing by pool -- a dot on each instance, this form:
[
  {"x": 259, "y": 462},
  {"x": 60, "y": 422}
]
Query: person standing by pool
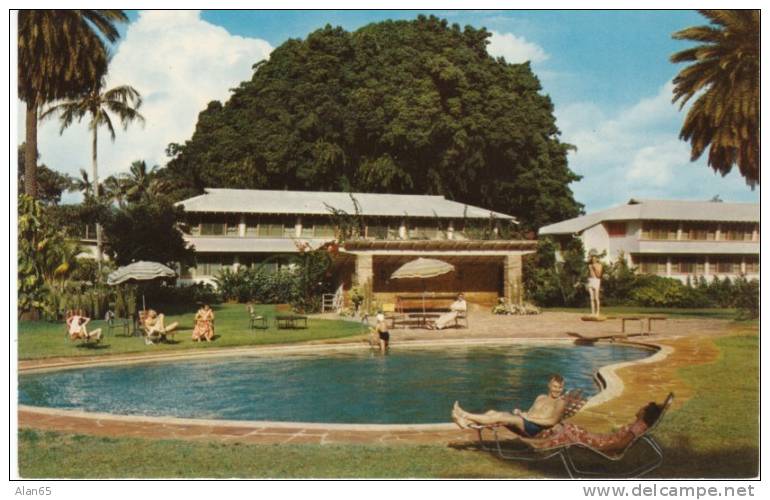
[
  {"x": 382, "y": 332},
  {"x": 595, "y": 271},
  {"x": 546, "y": 411}
]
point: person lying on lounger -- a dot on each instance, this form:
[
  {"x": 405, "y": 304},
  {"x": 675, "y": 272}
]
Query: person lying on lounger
[
  {"x": 568, "y": 433},
  {"x": 155, "y": 326},
  {"x": 546, "y": 411}
]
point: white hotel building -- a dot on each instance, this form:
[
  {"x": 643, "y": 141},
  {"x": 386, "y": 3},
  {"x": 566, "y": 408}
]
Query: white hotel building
[
  {"x": 672, "y": 238},
  {"x": 230, "y": 228}
]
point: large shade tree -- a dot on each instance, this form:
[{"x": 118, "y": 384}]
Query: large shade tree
[
  {"x": 401, "y": 107},
  {"x": 98, "y": 104},
  {"x": 60, "y": 54},
  {"x": 723, "y": 77}
]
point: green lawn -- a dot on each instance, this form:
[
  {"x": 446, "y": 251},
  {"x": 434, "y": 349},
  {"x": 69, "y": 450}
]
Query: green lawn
[
  {"x": 715, "y": 313},
  {"x": 714, "y": 435},
  {"x": 41, "y": 339}
]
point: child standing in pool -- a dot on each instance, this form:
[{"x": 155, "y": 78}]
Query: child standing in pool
[{"x": 382, "y": 332}]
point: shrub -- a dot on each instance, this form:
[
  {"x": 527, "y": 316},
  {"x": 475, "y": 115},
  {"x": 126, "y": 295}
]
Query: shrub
[
  {"x": 746, "y": 298},
  {"x": 549, "y": 282}
]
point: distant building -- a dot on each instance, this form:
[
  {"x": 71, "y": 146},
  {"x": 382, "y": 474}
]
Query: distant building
[
  {"x": 230, "y": 228},
  {"x": 672, "y": 238}
]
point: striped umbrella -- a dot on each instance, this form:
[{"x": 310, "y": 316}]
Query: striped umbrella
[{"x": 140, "y": 271}]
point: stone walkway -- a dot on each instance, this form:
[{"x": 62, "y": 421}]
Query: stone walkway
[{"x": 686, "y": 342}]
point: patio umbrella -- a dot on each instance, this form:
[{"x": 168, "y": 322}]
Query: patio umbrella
[
  {"x": 140, "y": 271},
  {"x": 422, "y": 268}
]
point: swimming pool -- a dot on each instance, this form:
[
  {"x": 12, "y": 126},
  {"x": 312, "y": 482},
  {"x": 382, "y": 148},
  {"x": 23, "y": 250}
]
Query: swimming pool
[{"x": 359, "y": 386}]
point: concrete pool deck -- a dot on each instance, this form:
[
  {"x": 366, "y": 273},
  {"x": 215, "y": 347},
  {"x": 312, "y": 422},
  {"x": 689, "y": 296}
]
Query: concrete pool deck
[{"x": 683, "y": 342}]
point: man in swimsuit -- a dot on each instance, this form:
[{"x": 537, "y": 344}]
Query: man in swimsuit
[
  {"x": 382, "y": 332},
  {"x": 595, "y": 270},
  {"x": 546, "y": 411}
]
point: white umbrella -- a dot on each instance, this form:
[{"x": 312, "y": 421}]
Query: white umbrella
[
  {"x": 140, "y": 271},
  {"x": 422, "y": 268}
]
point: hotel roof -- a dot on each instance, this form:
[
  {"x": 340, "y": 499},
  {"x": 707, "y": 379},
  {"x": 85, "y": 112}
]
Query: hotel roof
[
  {"x": 671, "y": 210},
  {"x": 261, "y": 201}
]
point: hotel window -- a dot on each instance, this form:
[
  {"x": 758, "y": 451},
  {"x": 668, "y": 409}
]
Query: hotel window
[
  {"x": 252, "y": 226},
  {"x": 699, "y": 231},
  {"x": 652, "y": 264},
  {"x": 737, "y": 232},
  {"x": 725, "y": 265},
  {"x": 688, "y": 264},
  {"x": 232, "y": 227},
  {"x": 213, "y": 229},
  {"x": 424, "y": 231},
  {"x": 210, "y": 265},
  {"x": 271, "y": 230},
  {"x": 382, "y": 228},
  {"x": 659, "y": 231},
  {"x": 683, "y": 265},
  {"x": 615, "y": 229},
  {"x": 752, "y": 265},
  {"x": 323, "y": 231}
]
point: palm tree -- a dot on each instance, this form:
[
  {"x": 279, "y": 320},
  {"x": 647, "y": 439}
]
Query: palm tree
[
  {"x": 98, "y": 104},
  {"x": 139, "y": 180},
  {"x": 115, "y": 189},
  {"x": 724, "y": 75},
  {"x": 83, "y": 183},
  {"x": 60, "y": 54}
]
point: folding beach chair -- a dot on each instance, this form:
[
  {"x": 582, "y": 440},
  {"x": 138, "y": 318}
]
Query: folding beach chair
[{"x": 563, "y": 449}]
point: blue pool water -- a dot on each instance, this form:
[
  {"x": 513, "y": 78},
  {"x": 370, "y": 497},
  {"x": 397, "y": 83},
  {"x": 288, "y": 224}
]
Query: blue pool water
[{"x": 406, "y": 386}]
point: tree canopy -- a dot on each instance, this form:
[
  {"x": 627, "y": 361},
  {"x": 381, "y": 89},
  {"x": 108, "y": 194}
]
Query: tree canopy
[
  {"x": 147, "y": 230},
  {"x": 398, "y": 106}
]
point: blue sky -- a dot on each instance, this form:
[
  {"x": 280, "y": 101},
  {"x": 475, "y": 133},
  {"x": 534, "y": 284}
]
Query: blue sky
[{"x": 607, "y": 73}]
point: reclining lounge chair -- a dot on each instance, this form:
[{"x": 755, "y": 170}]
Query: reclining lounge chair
[{"x": 561, "y": 440}]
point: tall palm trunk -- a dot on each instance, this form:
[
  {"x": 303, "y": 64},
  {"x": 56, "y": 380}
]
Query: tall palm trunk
[
  {"x": 30, "y": 149},
  {"x": 96, "y": 194}
]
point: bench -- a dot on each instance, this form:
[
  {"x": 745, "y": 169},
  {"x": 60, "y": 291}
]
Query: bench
[
  {"x": 285, "y": 321},
  {"x": 641, "y": 319}
]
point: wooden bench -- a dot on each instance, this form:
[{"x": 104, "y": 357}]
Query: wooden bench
[
  {"x": 641, "y": 319},
  {"x": 290, "y": 321}
]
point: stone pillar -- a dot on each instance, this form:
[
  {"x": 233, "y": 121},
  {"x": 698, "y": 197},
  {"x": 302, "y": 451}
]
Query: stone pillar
[
  {"x": 365, "y": 279},
  {"x": 242, "y": 226},
  {"x": 298, "y": 227},
  {"x": 512, "y": 285},
  {"x": 402, "y": 231},
  {"x": 450, "y": 231}
]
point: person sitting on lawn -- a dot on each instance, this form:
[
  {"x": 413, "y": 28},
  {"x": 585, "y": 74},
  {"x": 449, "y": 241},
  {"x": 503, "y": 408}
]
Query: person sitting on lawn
[
  {"x": 204, "y": 324},
  {"x": 155, "y": 326},
  {"x": 449, "y": 318},
  {"x": 546, "y": 411},
  {"x": 76, "y": 326}
]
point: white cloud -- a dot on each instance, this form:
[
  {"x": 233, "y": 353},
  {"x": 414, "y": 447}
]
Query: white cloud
[
  {"x": 178, "y": 63},
  {"x": 515, "y": 49},
  {"x": 636, "y": 152}
]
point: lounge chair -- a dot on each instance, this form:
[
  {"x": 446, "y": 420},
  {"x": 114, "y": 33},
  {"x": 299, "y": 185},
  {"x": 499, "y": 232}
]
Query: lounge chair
[
  {"x": 562, "y": 440},
  {"x": 156, "y": 333},
  {"x": 256, "y": 320}
]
